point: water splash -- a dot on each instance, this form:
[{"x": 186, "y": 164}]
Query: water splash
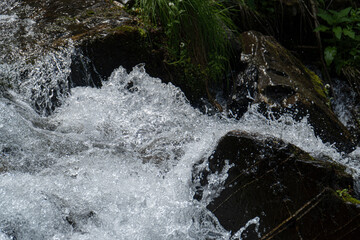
[
  {"x": 116, "y": 162},
  {"x": 255, "y": 221},
  {"x": 111, "y": 163}
]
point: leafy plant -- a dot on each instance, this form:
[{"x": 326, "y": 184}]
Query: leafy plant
[{"x": 343, "y": 37}]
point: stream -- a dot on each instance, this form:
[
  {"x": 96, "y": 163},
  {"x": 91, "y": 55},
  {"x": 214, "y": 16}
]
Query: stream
[{"x": 113, "y": 162}]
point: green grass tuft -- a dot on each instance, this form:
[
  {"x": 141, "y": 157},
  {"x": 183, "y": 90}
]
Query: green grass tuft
[{"x": 195, "y": 29}]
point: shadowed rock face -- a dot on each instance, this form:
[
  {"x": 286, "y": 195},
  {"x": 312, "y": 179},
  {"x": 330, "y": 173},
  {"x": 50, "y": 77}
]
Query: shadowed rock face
[
  {"x": 125, "y": 45},
  {"x": 282, "y": 84},
  {"x": 292, "y": 193}
]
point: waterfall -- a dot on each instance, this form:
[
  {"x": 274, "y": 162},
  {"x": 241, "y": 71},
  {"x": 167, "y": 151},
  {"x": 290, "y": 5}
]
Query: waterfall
[{"x": 113, "y": 162}]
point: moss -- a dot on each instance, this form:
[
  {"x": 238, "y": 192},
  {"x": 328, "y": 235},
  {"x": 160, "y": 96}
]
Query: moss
[
  {"x": 90, "y": 12},
  {"x": 346, "y": 196},
  {"x": 129, "y": 29},
  {"x": 317, "y": 82},
  {"x": 142, "y": 32}
]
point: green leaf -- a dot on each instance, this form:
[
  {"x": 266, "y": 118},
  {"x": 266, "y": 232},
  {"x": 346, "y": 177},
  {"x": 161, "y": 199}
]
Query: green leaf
[
  {"x": 354, "y": 52},
  {"x": 333, "y": 12},
  {"x": 344, "y": 20},
  {"x": 321, "y": 28},
  {"x": 343, "y": 12},
  {"x": 329, "y": 54},
  {"x": 338, "y": 31},
  {"x": 326, "y": 16},
  {"x": 350, "y": 33}
]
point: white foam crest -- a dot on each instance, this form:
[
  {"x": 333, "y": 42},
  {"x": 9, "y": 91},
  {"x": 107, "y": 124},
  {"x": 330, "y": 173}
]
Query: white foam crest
[
  {"x": 43, "y": 83},
  {"x": 127, "y": 179},
  {"x": 300, "y": 134},
  {"x": 29, "y": 63},
  {"x": 7, "y": 18},
  {"x": 255, "y": 221},
  {"x": 344, "y": 105},
  {"x": 46, "y": 82},
  {"x": 140, "y": 112}
]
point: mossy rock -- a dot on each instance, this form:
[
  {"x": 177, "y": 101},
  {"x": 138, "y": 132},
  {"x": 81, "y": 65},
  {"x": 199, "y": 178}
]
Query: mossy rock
[
  {"x": 282, "y": 84},
  {"x": 293, "y": 194}
]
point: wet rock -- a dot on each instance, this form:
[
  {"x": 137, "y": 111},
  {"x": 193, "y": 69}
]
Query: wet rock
[
  {"x": 105, "y": 37},
  {"x": 292, "y": 194},
  {"x": 350, "y": 94},
  {"x": 282, "y": 84},
  {"x": 121, "y": 41},
  {"x": 54, "y": 22},
  {"x": 76, "y": 220},
  {"x": 125, "y": 45},
  {"x": 83, "y": 73}
]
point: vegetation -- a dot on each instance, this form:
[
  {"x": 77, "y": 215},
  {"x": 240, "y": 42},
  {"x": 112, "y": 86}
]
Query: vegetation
[
  {"x": 339, "y": 25},
  {"x": 346, "y": 196},
  {"x": 342, "y": 29},
  {"x": 197, "y": 33}
]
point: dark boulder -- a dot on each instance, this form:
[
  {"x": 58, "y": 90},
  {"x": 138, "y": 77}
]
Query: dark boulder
[
  {"x": 293, "y": 194},
  {"x": 104, "y": 35},
  {"x": 277, "y": 80},
  {"x": 126, "y": 45},
  {"x": 103, "y": 32}
]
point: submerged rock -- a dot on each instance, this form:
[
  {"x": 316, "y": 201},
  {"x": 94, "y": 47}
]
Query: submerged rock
[
  {"x": 282, "y": 84},
  {"x": 293, "y": 195}
]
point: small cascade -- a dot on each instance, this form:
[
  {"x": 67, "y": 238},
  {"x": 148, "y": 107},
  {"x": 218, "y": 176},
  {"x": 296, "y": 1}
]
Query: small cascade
[
  {"x": 111, "y": 159},
  {"x": 116, "y": 162}
]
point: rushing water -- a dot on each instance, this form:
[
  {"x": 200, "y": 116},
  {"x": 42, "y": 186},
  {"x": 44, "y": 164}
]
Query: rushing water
[{"x": 115, "y": 162}]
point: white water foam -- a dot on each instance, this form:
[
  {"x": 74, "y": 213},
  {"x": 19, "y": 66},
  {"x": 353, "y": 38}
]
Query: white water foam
[{"x": 116, "y": 162}]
